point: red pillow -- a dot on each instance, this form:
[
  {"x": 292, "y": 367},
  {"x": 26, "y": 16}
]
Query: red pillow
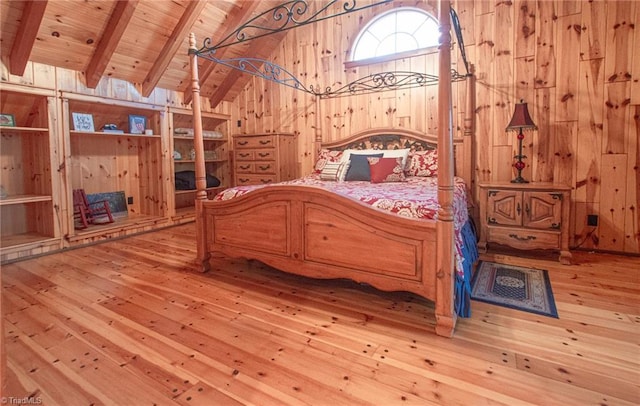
[
  {"x": 386, "y": 170},
  {"x": 422, "y": 163},
  {"x": 324, "y": 156}
]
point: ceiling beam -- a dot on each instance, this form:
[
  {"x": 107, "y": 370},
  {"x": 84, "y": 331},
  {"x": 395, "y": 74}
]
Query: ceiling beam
[
  {"x": 235, "y": 74},
  {"x": 180, "y": 32},
  {"x": 238, "y": 16},
  {"x": 116, "y": 26},
  {"x": 32, "y": 15}
]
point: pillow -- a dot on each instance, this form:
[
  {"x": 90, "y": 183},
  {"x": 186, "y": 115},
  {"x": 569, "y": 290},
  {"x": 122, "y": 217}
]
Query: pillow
[
  {"x": 386, "y": 169},
  {"x": 397, "y": 153},
  {"x": 359, "y": 168},
  {"x": 387, "y": 153},
  {"x": 335, "y": 171},
  {"x": 324, "y": 156},
  {"x": 422, "y": 163},
  {"x": 346, "y": 155}
]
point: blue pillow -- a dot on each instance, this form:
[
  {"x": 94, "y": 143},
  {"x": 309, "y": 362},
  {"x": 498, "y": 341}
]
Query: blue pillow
[{"x": 359, "y": 167}]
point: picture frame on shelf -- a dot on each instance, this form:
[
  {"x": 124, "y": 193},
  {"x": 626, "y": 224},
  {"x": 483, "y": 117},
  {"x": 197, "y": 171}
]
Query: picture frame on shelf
[
  {"x": 137, "y": 124},
  {"x": 83, "y": 122},
  {"x": 7, "y": 120}
]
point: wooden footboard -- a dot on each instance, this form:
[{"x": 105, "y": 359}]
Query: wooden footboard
[{"x": 312, "y": 232}]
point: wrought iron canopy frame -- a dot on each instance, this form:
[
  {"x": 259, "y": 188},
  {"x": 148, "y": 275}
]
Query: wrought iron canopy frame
[{"x": 296, "y": 13}]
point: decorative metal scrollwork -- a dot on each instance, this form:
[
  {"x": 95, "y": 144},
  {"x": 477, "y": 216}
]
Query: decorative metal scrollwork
[
  {"x": 282, "y": 17},
  {"x": 378, "y": 82},
  {"x": 296, "y": 13}
]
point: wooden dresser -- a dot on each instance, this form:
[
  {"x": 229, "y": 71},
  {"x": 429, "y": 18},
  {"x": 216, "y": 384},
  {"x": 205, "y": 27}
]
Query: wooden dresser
[
  {"x": 525, "y": 216},
  {"x": 264, "y": 158}
]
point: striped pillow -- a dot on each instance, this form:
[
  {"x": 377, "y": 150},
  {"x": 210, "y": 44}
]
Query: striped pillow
[{"x": 334, "y": 171}]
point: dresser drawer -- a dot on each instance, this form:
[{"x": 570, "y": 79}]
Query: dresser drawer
[
  {"x": 265, "y": 167},
  {"x": 255, "y": 155},
  {"x": 523, "y": 238},
  {"x": 254, "y": 179},
  {"x": 264, "y": 155},
  {"x": 244, "y": 155},
  {"x": 264, "y": 141},
  {"x": 245, "y": 167},
  {"x": 256, "y": 167}
]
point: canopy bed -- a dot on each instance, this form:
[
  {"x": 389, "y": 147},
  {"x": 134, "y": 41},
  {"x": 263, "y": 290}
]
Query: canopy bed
[{"x": 322, "y": 230}]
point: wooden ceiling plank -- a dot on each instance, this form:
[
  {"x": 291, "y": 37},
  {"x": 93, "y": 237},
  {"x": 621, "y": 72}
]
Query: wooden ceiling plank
[
  {"x": 32, "y": 15},
  {"x": 191, "y": 13},
  {"x": 116, "y": 27},
  {"x": 238, "y": 16}
]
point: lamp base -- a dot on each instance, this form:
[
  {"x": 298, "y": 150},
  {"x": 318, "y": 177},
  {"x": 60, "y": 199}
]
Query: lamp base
[{"x": 519, "y": 179}]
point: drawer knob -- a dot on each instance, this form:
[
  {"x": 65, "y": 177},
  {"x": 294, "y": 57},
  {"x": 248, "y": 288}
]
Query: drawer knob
[
  {"x": 265, "y": 142},
  {"x": 244, "y": 155},
  {"x": 263, "y": 154},
  {"x": 245, "y": 166},
  {"x": 517, "y": 237},
  {"x": 243, "y": 142},
  {"x": 265, "y": 180},
  {"x": 265, "y": 167}
]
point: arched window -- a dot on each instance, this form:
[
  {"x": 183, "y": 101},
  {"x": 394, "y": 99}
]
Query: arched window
[{"x": 396, "y": 32}]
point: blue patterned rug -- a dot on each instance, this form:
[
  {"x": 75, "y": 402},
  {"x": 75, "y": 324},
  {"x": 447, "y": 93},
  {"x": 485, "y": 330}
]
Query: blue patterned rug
[{"x": 515, "y": 287}]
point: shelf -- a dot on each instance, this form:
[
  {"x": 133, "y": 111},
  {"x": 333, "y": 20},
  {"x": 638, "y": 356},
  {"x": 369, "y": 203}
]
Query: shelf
[
  {"x": 191, "y": 161},
  {"x": 24, "y": 239},
  {"x": 133, "y": 223},
  {"x": 20, "y": 199},
  {"x": 102, "y": 134},
  {"x": 23, "y": 129},
  {"x": 209, "y": 189},
  {"x": 180, "y": 137}
]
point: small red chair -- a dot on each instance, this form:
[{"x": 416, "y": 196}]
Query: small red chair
[{"x": 85, "y": 213}]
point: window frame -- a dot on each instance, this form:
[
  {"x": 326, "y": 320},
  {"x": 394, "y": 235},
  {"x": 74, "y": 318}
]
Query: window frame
[{"x": 395, "y": 56}]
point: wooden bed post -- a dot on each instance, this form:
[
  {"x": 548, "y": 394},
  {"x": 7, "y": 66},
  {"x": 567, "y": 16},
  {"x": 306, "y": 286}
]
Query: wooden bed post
[
  {"x": 445, "y": 277},
  {"x": 198, "y": 144},
  {"x": 469, "y": 150},
  {"x": 318, "y": 138}
]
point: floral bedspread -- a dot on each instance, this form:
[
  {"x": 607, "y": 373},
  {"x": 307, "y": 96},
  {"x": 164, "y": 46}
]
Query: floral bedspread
[{"x": 417, "y": 197}]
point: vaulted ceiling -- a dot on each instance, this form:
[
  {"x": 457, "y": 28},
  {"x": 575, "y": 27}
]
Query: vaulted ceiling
[{"x": 142, "y": 41}]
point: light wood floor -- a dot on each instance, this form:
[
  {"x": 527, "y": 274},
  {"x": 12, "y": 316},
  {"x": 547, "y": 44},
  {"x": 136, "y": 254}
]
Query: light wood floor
[{"x": 128, "y": 322}]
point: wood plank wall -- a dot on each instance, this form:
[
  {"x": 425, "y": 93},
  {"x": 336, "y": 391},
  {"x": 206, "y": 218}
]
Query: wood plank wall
[{"x": 575, "y": 62}]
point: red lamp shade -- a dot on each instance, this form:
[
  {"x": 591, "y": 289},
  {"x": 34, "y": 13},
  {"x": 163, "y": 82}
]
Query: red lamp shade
[{"x": 521, "y": 118}]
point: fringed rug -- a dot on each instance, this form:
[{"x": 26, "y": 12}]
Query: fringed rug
[{"x": 516, "y": 287}]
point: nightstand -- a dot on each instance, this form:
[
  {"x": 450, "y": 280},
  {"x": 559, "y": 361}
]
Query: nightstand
[{"x": 525, "y": 216}]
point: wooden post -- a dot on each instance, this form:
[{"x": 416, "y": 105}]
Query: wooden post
[
  {"x": 318, "y": 136},
  {"x": 469, "y": 151},
  {"x": 445, "y": 314},
  {"x": 201, "y": 176}
]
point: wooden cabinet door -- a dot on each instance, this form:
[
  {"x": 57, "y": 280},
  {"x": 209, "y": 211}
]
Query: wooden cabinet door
[
  {"x": 504, "y": 207},
  {"x": 543, "y": 210}
]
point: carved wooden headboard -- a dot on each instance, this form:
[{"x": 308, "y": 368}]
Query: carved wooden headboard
[{"x": 385, "y": 138}]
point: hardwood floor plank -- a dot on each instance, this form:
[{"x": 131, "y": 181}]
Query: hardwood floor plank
[{"x": 133, "y": 321}]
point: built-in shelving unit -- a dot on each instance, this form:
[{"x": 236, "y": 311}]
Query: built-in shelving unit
[
  {"x": 46, "y": 154},
  {"x": 216, "y": 157},
  {"x": 29, "y": 151},
  {"x": 102, "y": 161}
]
